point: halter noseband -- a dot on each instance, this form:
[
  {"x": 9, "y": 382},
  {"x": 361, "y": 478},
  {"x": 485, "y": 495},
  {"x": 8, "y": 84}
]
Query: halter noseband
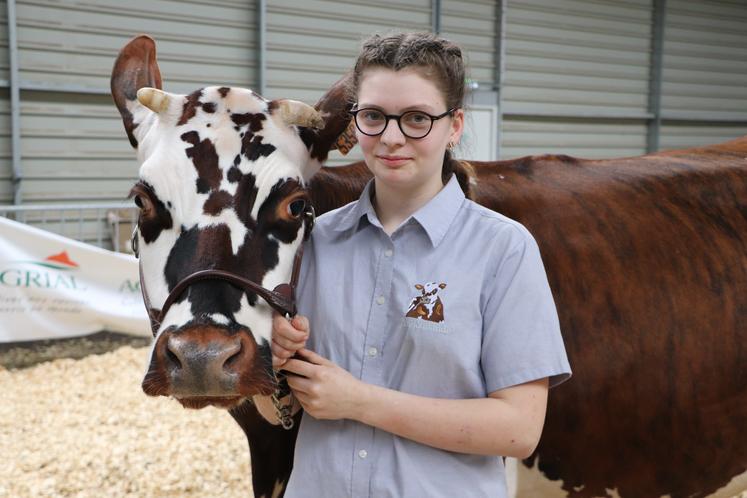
[{"x": 282, "y": 298}]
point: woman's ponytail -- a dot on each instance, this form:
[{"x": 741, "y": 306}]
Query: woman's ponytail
[{"x": 463, "y": 170}]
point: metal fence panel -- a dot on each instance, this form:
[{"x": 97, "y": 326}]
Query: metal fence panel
[{"x": 106, "y": 225}]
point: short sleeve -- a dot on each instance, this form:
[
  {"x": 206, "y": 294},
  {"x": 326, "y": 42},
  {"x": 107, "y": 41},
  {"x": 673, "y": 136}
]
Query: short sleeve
[{"x": 521, "y": 333}]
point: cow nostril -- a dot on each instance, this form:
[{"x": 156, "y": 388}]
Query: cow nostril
[
  {"x": 233, "y": 359},
  {"x": 173, "y": 358}
]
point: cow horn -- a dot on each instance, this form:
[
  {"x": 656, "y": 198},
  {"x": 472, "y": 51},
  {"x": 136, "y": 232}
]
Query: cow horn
[
  {"x": 154, "y": 99},
  {"x": 293, "y": 112}
]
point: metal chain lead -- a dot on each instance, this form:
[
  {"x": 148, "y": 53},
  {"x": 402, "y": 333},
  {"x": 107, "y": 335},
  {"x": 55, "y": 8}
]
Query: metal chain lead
[{"x": 282, "y": 411}]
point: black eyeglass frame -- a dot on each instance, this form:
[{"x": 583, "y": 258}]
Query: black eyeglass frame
[{"x": 397, "y": 118}]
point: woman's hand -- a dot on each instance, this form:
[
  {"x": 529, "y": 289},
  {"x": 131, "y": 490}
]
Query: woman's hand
[
  {"x": 288, "y": 336},
  {"x": 325, "y": 390}
]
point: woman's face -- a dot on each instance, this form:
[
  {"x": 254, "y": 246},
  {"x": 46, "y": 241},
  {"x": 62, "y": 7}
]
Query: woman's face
[{"x": 399, "y": 162}]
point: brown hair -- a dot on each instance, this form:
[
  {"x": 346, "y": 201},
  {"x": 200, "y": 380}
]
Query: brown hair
[{"x": 438, "y": 60}]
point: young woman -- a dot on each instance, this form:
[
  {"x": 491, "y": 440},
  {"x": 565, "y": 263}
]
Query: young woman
[{"x": 431, "y": 330}]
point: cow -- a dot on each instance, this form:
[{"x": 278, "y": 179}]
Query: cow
[
  {"x": 223, "y": 211},
  {"x": 427, "y": 305},
  {"x": 646, "y": 257}
]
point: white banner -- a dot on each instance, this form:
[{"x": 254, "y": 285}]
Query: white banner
[{"x": 53, "y": 287}]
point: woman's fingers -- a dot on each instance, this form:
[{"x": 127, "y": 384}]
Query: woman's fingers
[
  {"x": 299, "y": 385},
  {"x": 287, "y": 337},
  {"x": 300, "y": 367},
  {"x": 312, "y": 357},
  {"x": 290, "y": 335},
  {"x": 300, "y": 322}
]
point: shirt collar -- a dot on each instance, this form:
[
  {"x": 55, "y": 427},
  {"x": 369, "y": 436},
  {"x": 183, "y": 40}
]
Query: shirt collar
[
  {"x": 362, "y": 208},
  {"x": 435, "y": 217}
]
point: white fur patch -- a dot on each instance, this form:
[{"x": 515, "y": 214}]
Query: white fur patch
[
  {"x": 178, "y": 315},
  {"x": 220, "y": 318},
  {"x": 153, "y": 259},
  {"x": 281, "y": 274},
  {"x": 530, "y": 482},
  {"x": 258, "y": 317},
  {"x": 524, "y": 482}
]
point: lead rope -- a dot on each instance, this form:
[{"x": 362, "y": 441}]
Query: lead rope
[{"x": 283, "y": 410}]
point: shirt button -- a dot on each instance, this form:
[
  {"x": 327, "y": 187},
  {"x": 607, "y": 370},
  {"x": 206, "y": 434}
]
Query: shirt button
[
  {"x": 372, "y": 351},
  {"x": 363, "y": 453},
  {"x": 381, "y": 299},
  {"x": 388, "y": 253}
]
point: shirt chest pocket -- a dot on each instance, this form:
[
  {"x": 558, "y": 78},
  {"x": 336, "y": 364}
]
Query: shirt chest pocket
[
  {"x": 426, "y": 326},
  {"x": 427, "y": 340}
]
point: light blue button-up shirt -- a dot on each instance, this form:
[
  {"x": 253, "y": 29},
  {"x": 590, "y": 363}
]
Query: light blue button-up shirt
[{"x": 455, "y": 304}]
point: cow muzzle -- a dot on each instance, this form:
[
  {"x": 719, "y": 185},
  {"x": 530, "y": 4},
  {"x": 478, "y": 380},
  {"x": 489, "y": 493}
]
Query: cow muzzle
[{"x": 207, "y": 365}]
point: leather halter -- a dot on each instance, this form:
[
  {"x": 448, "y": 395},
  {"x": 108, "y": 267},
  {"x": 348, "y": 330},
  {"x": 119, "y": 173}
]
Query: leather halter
[{"x": 282, "y": 298}]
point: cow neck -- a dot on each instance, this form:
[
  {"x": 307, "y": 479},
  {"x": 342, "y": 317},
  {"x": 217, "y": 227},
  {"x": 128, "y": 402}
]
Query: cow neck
[{"x": 282, "y": 299}]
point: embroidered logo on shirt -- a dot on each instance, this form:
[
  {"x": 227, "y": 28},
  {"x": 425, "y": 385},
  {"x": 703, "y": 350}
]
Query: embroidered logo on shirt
[{"x": 427, "y": 305}]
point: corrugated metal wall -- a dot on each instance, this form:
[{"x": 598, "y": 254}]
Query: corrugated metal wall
[
  {"x": 311, "y": 45},
  {"x": 6, "y": 167},
  {"x": 704, "y": 73},
  {"x": 576, "y": 77},
  {"x": 571, "y": 67},
  {"x": 471, "y": 24},
  {"x": 73, "y": 143}
]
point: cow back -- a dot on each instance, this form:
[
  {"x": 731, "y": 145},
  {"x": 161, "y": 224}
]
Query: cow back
[{"x": 647, "y": 261}]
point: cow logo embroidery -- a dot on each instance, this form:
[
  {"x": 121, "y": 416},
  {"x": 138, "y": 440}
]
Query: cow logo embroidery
[{"x": 427, "y": 305}]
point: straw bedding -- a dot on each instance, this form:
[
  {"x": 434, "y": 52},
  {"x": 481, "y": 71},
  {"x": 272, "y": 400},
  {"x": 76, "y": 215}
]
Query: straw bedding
[{"x": 84, "y": 428}]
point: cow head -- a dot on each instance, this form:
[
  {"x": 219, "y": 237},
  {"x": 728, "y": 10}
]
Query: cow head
[
  {"x": 428, "y": 291},
  {"x": 221, "y": 187}
]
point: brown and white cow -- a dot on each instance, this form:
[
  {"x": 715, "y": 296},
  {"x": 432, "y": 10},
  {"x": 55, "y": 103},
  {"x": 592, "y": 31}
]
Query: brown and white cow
[
  {"x": 427, "y": 305},
  {"x": 221, "y": 188},
  {"x": 646, "y": 257}
]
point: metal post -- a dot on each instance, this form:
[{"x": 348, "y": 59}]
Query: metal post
[
  {"x": 15, "y": 103},
  {"x": 436, "y": 16},
  {"x": 500, "y": 66},
  {"x": 654, "y": 92},
  {"x": 262, "y": 55}
]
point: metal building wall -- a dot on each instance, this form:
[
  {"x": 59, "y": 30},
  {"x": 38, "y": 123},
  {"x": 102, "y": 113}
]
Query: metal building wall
[
  {"x": 576, "y": 73},
  {"x": 310, "y": 45},
  {"x": 576, "y": 77},
  {"x": 6, "y": 166},
  {"x": 704, "y": 94},
  {"x": 73, "y": 146},
  {"x": 471, "y": 24}
]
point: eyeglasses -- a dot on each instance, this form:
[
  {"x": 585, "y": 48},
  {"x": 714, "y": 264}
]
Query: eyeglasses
[{"x": 413, "y": 124}]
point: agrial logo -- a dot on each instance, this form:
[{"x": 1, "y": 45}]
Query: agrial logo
[
  {"x": 60, "y": 261},
  {"x": 43, "y": 278}
]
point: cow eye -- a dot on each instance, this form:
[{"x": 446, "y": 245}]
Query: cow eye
[
  {"x": 296, "y": 208},
  {"x": 142, "y": 200}
]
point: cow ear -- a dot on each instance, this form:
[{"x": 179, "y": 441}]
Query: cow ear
[
  {"x": 418, "y": 287},
  {"x": 334, "y": 106},
  {"x": 135, "y": 68},
  {"x": 442, "y": 285}
]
